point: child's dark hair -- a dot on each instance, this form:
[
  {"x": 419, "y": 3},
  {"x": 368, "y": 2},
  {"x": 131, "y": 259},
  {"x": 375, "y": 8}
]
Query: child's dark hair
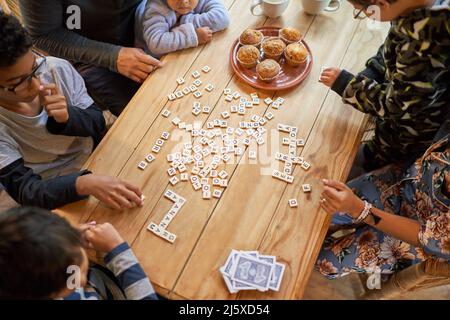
[
  {"x": 36, "y": 247},
  {"x": 15, "y": 41}
]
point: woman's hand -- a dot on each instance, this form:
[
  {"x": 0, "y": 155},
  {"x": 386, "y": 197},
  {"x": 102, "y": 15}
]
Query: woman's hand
[{"x": 337, "y": 197}]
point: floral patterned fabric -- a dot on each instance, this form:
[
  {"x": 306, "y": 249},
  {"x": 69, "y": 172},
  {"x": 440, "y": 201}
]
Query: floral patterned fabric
[{"x": 416, "y": 193}]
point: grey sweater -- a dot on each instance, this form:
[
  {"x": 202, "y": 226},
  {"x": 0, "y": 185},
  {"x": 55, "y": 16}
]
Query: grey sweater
[{"x": 106, "y": 26}]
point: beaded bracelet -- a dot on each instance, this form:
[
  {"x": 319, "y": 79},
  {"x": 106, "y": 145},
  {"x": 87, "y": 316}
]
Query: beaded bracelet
[{"x": 364, "y": 213}]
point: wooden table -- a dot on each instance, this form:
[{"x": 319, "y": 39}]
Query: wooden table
[{"x": 253, "y": 213}]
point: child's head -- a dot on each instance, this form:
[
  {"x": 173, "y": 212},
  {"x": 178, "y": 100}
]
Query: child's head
[
  {"x": 182, "y": 6},
  {"x": 388, "y": 10},
  {"x": 36, "y": 248},
  {"x": 18, "y": 81}
]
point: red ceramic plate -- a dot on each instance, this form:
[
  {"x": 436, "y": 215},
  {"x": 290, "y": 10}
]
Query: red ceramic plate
[{"x": 289, "y": 77}]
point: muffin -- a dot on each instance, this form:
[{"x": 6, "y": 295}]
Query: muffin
[
  {"x": 295, "y": 54},
  {"x": 268, "y": 70},
  {"x": 290, "y": 35},
  {"x": 251, "y": 37},
  {"x": 248, "y": 56},
  {"x": 273, "y": 48}
]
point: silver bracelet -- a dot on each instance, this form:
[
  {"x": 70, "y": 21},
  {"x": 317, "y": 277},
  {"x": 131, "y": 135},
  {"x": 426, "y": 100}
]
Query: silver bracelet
[{"x": 364, "y": 213}]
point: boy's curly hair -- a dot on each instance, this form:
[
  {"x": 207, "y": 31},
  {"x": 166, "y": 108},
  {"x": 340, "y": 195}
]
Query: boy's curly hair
[
  {"x": 14, "y": 40},
  {"x": 36, "y": 248}
]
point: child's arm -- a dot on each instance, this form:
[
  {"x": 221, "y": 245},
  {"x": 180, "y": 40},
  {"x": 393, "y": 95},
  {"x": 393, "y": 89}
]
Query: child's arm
[
  {"x": 28, "y": 188},
  {"x": 213, "y": 14},
  {"x": 71, "y": 111},
  {"x": 121, "y": 260},
  {"x": 375, "y": 67},
  {"x": 161, "y": 39},
  {"x": 81, "y": 123}
]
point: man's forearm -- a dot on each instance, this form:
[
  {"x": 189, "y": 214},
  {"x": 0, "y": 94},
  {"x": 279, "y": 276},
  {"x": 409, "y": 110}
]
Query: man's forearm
[{"x": 45, "y": 22}]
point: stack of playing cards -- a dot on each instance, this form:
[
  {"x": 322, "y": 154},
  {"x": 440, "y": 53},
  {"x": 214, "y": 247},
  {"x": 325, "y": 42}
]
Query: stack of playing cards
[{"x": 248, "y": 270}]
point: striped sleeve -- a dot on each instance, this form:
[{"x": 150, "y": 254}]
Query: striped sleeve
[{"x": 132, "y": 279}]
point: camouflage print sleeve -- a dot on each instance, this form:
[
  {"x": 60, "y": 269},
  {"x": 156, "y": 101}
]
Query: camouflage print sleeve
[
  {"x": 375, "y": 67},
  {"x": 416, "y": 58}
]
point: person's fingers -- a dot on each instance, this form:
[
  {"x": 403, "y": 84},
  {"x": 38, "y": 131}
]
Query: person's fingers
[
  {"x": 131, "y": 196},
  {"x": 329, "y": 201},
  {"x": 55, "y": 81},
  {"x": 330, "y": 193},
  {"x": 335, "y": 184},
  {"x": 148, "y": 59},
  {"x": 84, "y": 227},
  {"x": 50, "y": 88},
  {"x": 89, "y": 235},
  {"x": 122, "y": 201},
  {"x": 57, "y": 113},
  {"x": 52, "y": 99},
  {"x": 328, "y": 207},
  {"x": 140, "y": 75},
  {"x": 111, "y": 202},
  {"x": 133, "y": 188},
  {"x": 146, "y": 68}
]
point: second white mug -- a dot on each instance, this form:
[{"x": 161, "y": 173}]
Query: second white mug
[
  {"x": 318, "y": 6},
  {"x": 270, "y": 8}
]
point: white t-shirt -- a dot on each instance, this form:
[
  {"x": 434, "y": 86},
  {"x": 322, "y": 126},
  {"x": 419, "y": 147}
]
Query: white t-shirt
[{"x": 27, "y": 137}]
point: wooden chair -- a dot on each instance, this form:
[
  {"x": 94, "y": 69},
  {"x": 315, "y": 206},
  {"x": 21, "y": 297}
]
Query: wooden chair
[{"x": 428, "y": 274}]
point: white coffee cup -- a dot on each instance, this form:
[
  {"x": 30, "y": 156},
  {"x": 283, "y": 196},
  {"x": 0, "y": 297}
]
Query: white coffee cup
[
  {"x": 270, "y": 8},
  {"x": 318, "y": 6}
]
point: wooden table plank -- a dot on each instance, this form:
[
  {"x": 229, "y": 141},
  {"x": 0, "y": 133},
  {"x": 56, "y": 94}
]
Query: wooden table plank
[
  {"x": 128, "y": 131},
  {"x": 242, "y": 216}
]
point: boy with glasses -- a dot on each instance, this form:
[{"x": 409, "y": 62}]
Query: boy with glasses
[
  {"x": 406, "y": 85},
  {"x": 48, "y": 128}
]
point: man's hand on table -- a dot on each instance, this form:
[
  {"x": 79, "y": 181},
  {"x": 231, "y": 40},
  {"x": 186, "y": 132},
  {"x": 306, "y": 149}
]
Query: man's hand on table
[
  {"x": 135, "y": 64},
  {"x": 113, "y": 192}
]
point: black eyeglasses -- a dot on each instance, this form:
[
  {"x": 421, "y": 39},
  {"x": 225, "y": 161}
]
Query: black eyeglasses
[
  {"x": 25, "y": 82},
  {"x": 357, "y": 14}
]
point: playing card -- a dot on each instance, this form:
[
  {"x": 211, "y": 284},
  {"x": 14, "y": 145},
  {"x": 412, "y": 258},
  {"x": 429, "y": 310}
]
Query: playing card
[
  {"x": 229, "y": 284},
  {"x": 277, "y": 276},
  {"x": 268, "y": 259},
  {"x": 241, "y": 286},
  {"x": 251, "y": 271},
  {"x": 226, "y": 269},
  {"x": 251, "y": 253}
]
